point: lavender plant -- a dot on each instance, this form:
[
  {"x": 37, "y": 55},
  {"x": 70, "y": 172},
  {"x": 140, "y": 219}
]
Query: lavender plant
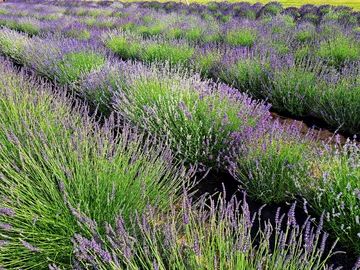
[
  {"x": 206, "y": 58},
  {"x": 246, "y": 70},
  {"x": 293, "y": 87},
  {"x": 99, "y": 85},
  {"x": 179, "y": 52},
  {"x": 175, "y": 52},
  {"x": 58, "y": 167},
  {"x": 338, "y": 50},
  {"x": 124, "y": 44},
  {"x": 28, "y": 25},
  {"x": 64, "y": 60},
  {"x": 244, "y": 37},
  {"x": 270, "y": 9},
  {"x": 335, "y": 191},
  {"x": 76, "y": 30},
  {"x": 207, "y": 123},
  {"x": 339, "y": 104},
  {"x": 12, "y": 45},
  {"x": 193, "y": 236},
  {"x": 275, "y": 165}
]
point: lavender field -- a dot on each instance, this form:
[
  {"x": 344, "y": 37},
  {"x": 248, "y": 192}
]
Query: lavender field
[{"x": 151, "y": 135}]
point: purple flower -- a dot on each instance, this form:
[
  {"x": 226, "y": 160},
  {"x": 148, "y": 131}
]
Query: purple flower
[
  {"x": 67, "y": 173},
  {"x": 291, "y": 215},
  {"x": 155, "y": 265},
  {"x": 357, "y": 264},
  {"x": 29, "y": 247},
  {"x": 6, "y": 226},
  {"x": 7, "y": 211},
  {"x": 35, "y": 219},
  {"x": 185, "y": 218},
  {"x": 61, "y": 185},
  {"x": 3, "y": 243}
]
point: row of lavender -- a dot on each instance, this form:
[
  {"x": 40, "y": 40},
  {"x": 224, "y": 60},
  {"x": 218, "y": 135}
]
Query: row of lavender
[
  {"x": 295, "y": 66},
  {"x": 207, "y": 124},
  {"x": 158, "y": 21},
  {"x": 65, "y": 204},
  {"x": 225, "y": 11}
]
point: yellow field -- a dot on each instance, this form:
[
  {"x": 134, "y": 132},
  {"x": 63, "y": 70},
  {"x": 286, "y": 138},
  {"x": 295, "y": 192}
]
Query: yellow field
[
  {"x": 286, "y": 3},
  {"x": 297, "y": 3}
]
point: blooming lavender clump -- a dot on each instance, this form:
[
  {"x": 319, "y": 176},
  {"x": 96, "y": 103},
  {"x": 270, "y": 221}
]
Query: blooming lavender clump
[
  {"x": 64, "y": 60},
  {"x": 275, "y": 166},
  {"x": 335, "y": 191},
  {"x": 159, "y": 239},
  {"x": 207, "y": 123}
]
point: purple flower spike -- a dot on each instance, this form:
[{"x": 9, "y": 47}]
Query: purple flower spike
[{"x": 29, "y": 247}]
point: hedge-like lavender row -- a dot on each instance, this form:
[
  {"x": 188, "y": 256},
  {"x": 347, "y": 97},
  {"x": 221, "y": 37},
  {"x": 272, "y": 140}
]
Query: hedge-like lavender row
[
  {"x": 48, "y": 147},
  {"x": 222, "y": 11},
  {"x": 173, "y": 24}
]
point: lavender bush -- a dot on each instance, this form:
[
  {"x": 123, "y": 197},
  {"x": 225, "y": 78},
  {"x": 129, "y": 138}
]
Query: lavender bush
[
  {"x": 341, "y": 92},
  {"x": 12, "y": 45},
  {"x": 244, "y": 69},
  {"x": 275, "y": 165},
  {"x": 339, "y": 49},
  {"x": 206, "y": 123},
  {"x": 64, "y": 60},
  {"x": 334, "y": 190},
  {"x": 294, "y": 88}
]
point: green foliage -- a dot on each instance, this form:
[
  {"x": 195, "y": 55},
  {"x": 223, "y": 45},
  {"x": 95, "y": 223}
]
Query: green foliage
[
  {"x": 82, "y": 34},
  {"x": 272, "y": 9},
  {"x": 164, "y": 51},
  {"x": 337, "y": 50},
  {"x": 211, "y": 238},
  {"x": 81, "y": 12},
  {"x": 74, "y": 64},
  {"x": 294, "y": 90},
  {"x": 303, "y": 36},
  {"x": 155, "y": 29},
  {"x": 194, "y": 34},
  {"x": 123, "y": 47},
  {"x": 335, "y": 191},
  {"x": 206, "y": 62},
  {"x": 3, "y": 12},
  {"x": 335, "y": 97},
  {"x": 243, "y": 37},
  {"x": 89, "y": 21},
  {"x": 273, "y": 165},
  {"x": 196, "y": 118},
  {"x": 248, "y": 74},
  {"x": 225, "y": 18},
  {"x": 12, "y": 45}
]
